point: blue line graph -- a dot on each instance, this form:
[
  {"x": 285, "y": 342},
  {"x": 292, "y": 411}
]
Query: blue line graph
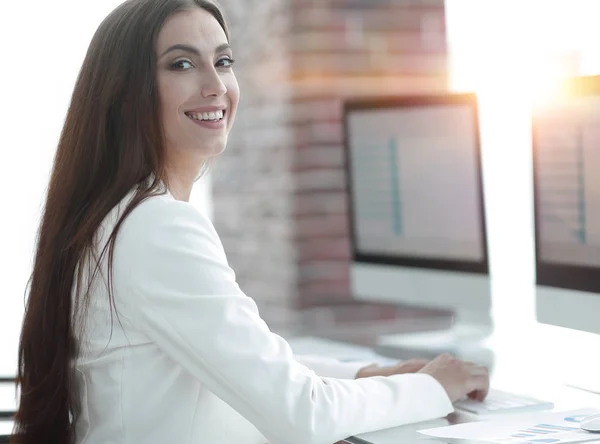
[
  {"x": 581, "y": 190},
  {"x": 395, "y": 186},
  {"x": 377, "y": 188},
  {"x": 563, "y": 203}
]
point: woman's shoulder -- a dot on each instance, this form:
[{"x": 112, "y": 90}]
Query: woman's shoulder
[
  {"x": 161, "y": 229},
  {"x": 162, "y": 218},
  {"x": 159, "y": 211}
]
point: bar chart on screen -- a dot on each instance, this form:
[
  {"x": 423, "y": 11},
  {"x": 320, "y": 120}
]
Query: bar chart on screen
[
  {"x": 568, "y": 157},
  {"x": 564, "y": 201},
  {"x": 379, "y": 198},
  {"x": 403, "y": 187}
]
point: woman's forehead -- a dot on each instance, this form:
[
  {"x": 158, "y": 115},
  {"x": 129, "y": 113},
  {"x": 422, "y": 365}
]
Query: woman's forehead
[{"x": 195, "y": 27}]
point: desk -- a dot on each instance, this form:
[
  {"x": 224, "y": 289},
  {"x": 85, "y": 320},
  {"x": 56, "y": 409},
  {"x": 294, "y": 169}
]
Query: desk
[{"x": 516, "y": 370}]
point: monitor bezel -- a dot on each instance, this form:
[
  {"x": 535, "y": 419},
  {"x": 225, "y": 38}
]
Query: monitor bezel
[
  {"x": 551, "y": 274},
  {"x": 408, "y": 102}
]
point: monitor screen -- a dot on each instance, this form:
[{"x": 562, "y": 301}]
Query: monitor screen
[
  {"x": 415, "y": 182},
  {"x": 566, "y": 147}
]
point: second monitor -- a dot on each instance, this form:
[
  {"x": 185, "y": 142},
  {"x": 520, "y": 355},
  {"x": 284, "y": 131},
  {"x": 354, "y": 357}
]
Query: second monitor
[
  {"x": 416, "y": 204},
  {"x": 566, "y": 159}
]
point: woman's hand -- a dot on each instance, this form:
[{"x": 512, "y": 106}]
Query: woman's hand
[{"x": 410, "y": 366}]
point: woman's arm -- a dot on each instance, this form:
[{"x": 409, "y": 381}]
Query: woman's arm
[{"x": 171, "y": 266}]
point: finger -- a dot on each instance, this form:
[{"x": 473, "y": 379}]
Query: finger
[
  {"x": 406, "y": 367},
  {"x": 479, "y": 370},
  {"x": 412, "y": 368},
  {"x": 419, "y": 360},
  {"x": 446, "y": 355},
  {"x": 471, "y": 364},
  {"x": 418, "y": 363},
  {"x": 478, "y": 395},
  {"x": 479, "y": 383}
]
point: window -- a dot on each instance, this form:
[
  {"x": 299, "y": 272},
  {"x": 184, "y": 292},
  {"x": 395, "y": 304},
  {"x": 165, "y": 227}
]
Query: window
[
  {"x": 512, "y": 52},
  {"x": 42, "y": 45}
]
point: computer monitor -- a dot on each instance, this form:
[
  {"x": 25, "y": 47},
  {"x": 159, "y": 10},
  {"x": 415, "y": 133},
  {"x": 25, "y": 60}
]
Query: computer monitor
[
  {"x": 416, "y": 203},
  {"x": 566, "y": 160}
]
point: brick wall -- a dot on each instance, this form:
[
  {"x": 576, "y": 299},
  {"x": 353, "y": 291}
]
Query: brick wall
[
  {"x": 252, "y": 183},
  {"x": 280, "y": 197}
]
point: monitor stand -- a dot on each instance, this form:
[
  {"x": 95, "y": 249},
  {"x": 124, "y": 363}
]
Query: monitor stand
[{"x": 465, "y": 339}]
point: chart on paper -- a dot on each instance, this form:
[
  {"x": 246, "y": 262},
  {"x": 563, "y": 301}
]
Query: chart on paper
[
  {"x": 545, "y": 433},
  {"x": 547, "y": 428}
]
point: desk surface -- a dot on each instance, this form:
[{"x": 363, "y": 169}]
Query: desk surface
[
  {"x": 514, "y": 371},
  {"x": 565, "y": 399}
]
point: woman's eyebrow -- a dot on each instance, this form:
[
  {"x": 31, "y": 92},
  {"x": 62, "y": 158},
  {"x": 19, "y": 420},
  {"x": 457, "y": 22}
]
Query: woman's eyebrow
[{"x": 192, "y": 49}]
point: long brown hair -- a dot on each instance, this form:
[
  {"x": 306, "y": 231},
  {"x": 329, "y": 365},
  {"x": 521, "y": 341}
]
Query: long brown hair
[{"x": 111, "y": 143}]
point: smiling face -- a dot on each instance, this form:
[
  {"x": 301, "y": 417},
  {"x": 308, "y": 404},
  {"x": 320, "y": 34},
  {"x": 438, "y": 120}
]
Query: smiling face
[{"x": 198, "y": 91}]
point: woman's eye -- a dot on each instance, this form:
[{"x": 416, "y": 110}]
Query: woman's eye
[
  {"x": 182, "y": 65},
  {"x": 225, "y": 62}
]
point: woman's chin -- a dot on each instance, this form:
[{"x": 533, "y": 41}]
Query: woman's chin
[
  {"x": 210, "y": 150},
  {"x": 215, "y": 151}
]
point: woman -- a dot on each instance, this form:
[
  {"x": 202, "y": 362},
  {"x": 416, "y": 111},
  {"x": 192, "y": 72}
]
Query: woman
[{"x": 135, "y": 329}]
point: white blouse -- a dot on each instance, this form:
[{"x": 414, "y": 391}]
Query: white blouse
[{"x": 188, "y": 359}]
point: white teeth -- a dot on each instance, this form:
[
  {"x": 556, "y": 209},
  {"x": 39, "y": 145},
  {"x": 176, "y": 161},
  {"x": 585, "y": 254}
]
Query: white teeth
[{"x": 214, "y": 116}]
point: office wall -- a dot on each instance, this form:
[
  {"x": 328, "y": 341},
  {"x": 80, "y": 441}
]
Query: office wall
[
  {"x": 279, "y": 190},
  {"x": 252, "y": 183}
]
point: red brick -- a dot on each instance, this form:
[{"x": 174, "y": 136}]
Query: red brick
[
  {"x": 324, "y": 249},
  {"x": 320, "y": 203},
  {"x": 362, "y": 4},
  {"x": 367, "y": 86},
  {"x": 333, "y": 289},
  {"x": 316, "y": 271},
  {"x": 374, "y": 63},
  {"x": 317, "y": 42},
  {"x": 320, "y": 180},
  {"x": 317, "y": 133},
  {"x": 318, "y": 157},
  {"x": 328, "y": 225},
  {"x": 319, "y": 110},
  {"x": 326, "y": 42},
  {"x": 316, "y": 17},
  {"x": 401, "y": 19},
  {"x": 324, "y": 18}
]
